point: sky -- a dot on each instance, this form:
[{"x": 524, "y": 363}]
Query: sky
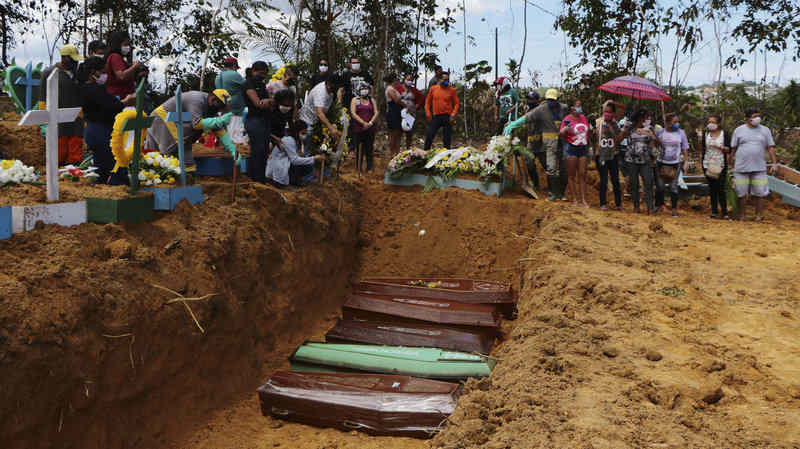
[{"x": 547, "y": 51}]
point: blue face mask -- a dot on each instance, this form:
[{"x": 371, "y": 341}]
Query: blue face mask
[
  {"x": 676, "y": 126},
  {"x": 445, "y": 83},
  {"x": 579, "y": 110}
]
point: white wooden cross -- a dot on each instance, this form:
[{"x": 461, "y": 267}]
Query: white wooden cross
[{"x": 51, "y": 116}]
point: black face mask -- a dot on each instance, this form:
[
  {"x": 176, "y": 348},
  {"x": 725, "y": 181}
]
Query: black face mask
[
  {"x": 258, "y": 77},
  {"x": 532, "y": 105},
  {"x": 70, "y": 65},
  {"x": 291, "y": 82}
]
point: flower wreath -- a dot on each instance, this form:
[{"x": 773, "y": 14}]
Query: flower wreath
[{"x": 123, "y": 154}]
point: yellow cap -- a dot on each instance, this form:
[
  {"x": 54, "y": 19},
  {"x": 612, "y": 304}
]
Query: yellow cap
[
  {"x": 551, "y": 94},
  {"x": 222, "y": 94},
  {"x": 71, "y": 51}
]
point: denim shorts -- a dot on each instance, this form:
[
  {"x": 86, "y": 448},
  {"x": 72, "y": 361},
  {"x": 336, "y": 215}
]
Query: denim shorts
[{"x": 571, "y": 150}]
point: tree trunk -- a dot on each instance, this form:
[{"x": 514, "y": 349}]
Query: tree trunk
[
  {"x": 4, "y": 24},
  {"x": 380, "y": 68}
]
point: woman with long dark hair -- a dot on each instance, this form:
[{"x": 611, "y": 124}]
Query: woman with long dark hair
[
  {"x": 99, "y": 110},
  {"x": 120, "y": 66},
  {"x": 394, "y": 107}
]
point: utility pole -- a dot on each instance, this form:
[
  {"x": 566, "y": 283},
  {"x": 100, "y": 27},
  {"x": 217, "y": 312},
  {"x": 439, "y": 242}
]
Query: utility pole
[
  {"x": 466, "y": 130},
  {"x": 496, "y": 57}
]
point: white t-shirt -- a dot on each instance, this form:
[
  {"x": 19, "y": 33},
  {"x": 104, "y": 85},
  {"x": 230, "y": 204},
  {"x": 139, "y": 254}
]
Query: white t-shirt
[
  {"x": 318, "y": 97},
  {"x": 750, "y": 144}
]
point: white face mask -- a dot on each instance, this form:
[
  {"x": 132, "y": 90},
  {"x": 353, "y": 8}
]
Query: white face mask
[
  {"x": 364, "y": 92},
  {"x": 356, "y": 67},
  {"x": 755, "y": 121},
  {"x": 646, "y": 123},
  {"x": 285, "y": 109},
  {"x": 712, "y": 126},
  {"x": 410, "y": 83},
  {"x": 101, "y": 80},
  {"x": 125, "y": 50},
  {"x": 323, "y": 69}
]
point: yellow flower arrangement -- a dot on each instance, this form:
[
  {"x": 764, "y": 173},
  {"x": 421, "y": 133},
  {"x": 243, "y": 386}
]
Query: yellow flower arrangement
[{"x": 123, "y": 154}]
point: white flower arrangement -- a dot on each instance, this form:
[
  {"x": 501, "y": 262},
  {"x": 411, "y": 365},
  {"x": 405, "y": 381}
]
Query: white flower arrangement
[
  {"x": 13, "y": 171},
  {"x": 159, "y": 169},
  {"x": 75, "y": 174}
]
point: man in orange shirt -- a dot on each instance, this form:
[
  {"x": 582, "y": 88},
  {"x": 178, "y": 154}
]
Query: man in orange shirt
[{"x": 444, "y": 100}]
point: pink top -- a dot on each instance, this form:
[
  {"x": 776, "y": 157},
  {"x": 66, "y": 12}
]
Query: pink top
[
  {"x": 365, "y": 112},
  {"x": 579, "y": 135}
]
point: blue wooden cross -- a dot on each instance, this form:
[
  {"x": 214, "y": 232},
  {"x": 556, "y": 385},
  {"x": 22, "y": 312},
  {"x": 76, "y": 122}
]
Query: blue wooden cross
[
  {"x": 136, "y": 125},
  {"x": 29, "y": 82},
  {"x": 179, "y": 118}
]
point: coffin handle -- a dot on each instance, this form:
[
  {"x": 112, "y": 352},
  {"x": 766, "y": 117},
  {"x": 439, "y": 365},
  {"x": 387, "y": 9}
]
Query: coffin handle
[
  {"x": 280, "y": 411},
  {"x": 353, "y": 425}
]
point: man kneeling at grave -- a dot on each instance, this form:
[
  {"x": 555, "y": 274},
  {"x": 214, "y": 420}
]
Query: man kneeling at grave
[{"x": 204, "y": 108}]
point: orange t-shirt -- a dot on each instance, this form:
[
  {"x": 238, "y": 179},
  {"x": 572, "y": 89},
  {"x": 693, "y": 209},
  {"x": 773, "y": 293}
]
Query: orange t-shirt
[{"x": 444, "y": 100}]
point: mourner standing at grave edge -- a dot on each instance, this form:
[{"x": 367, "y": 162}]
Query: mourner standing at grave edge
[{"x": 70, "y": 135}]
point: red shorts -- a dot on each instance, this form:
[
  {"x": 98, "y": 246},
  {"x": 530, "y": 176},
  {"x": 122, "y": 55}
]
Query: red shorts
[{"x": 70, "y": 150}]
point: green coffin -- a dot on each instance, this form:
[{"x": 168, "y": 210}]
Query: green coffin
[{"x": 430, "y": 363}]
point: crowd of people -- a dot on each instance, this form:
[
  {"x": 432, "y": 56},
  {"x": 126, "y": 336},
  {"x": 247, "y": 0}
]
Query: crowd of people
[
  {"x": 267, "y": 115},
  {"x": 651, "y": 157}
]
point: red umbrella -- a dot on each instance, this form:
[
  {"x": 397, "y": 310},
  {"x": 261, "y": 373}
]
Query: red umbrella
[{"x": 635, "y": 87}]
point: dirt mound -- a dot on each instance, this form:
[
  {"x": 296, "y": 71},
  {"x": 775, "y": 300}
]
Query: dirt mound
[
  {"x": 639, "y": 332},
  {"x": 21, "y": 142},
  {"x": 90, "y": 348}
]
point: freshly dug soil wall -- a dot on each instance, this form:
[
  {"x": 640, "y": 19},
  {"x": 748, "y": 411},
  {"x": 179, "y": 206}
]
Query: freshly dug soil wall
[{"x": 93, "y": 354}]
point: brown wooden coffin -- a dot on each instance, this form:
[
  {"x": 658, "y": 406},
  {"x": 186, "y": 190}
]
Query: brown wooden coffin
[
  {"x": 377, "y": 404},
  {"x": 787, "y": 174},
  {"x": 408, "y": 334},
  {"x": 403, "y": 309},
  {"x": 463, "y": 290}
]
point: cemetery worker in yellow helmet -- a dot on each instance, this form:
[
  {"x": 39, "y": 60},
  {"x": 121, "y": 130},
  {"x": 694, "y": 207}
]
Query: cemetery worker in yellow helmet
[{"x": 205, "y": 109}]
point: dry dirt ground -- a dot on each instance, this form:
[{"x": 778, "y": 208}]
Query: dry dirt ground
[{"x": 633, "y": 331}]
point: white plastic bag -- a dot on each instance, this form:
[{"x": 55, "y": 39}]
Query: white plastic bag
[{"x": 407, "y": 120}]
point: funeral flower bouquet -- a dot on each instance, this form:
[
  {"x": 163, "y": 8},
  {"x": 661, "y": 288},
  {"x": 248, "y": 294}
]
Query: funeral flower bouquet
[
  {"x": 73, "y": 173},
  {"x": 158, "y": 169},
  {"x": 322, "y": 140},
  {"x": 406, "y": 162},
  {"x": 13, "y": 171}
]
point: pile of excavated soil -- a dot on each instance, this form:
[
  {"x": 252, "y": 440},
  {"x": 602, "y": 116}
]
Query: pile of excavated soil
[
  {"x": 634, "y": 331},
  {"x": 645, "y": 332},
  {"x": 21, "y": 142},
  {"x": 94, "y": 355},
  {"x": 600, "y": 356}
]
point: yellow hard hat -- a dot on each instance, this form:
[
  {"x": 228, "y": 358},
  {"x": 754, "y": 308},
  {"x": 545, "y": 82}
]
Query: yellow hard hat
[
  {"x": 71, "y": 51},
  {"x": 551, "y": 94},
  {"x": 222, "y": 94}
]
